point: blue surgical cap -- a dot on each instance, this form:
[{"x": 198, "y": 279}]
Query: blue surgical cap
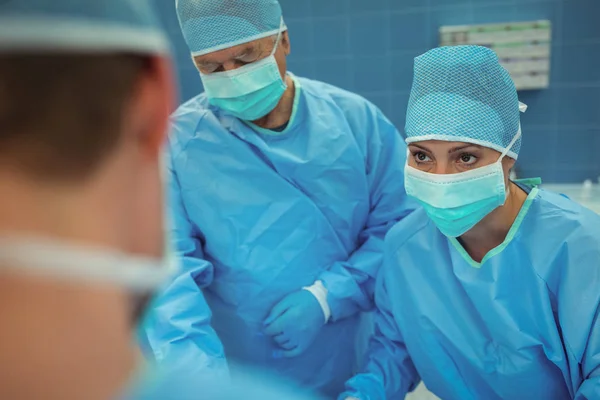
[
  {"x": 212, "y": 25},
  {"x": 80, "y": 26},
  {"x": 463, "y": 94}
]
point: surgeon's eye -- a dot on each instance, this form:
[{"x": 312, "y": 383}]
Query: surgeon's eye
[
  {"x": 467, "y": 159},
  {"x": 249, "y": 58},
  {"x": 209, "y": 69},
  {"x": 421, "y": 157}
]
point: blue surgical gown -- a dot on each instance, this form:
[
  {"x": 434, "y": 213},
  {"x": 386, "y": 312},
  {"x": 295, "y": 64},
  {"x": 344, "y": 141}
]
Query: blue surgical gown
[
  {"x": 258, "y": 216},
  {"x": 157, "y": 384},
  {"x": 523, "y": 324}
]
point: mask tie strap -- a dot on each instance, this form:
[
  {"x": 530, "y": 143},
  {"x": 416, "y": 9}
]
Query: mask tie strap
[
  {"x": 511, "y": 144},
  {"x": 67, "y": 261},
  {"x": 522, "y": 108},
  {"x": 278, "y": 38}
]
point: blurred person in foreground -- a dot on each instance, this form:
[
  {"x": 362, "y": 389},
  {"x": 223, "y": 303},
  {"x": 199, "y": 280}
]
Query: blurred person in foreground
[
  {"x": 492, "y": 290},
  {"x": 281, "y": 191},
  {"x": 85, "y": 94}
]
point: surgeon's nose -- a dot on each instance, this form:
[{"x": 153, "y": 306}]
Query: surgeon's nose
[
  {"x": 231, "y": 65},
  {"x": 443, "y": 168}
]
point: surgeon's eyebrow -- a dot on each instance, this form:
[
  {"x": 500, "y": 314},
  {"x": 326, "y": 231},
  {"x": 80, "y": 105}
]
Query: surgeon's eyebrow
[
  {"x": 419, "y": 147},
  {"x": 243, "y": 52},
  {"x": 462, "y": 148},
  {"x": 204, "y": 63},
  {"x": 210, "y": 63}
]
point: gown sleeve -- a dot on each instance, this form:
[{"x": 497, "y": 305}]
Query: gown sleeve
[
  {"x": 389, "y": 373},
  {"x": 350, "y": 283},
  {"x": 579, "y": 310},
  {"x": 179, "y": 327}
]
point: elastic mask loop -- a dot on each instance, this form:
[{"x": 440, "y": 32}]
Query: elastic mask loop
[
  {"x": 278, "y": 38},
  {"x": 81, "y": 262},
  {"x": 522, "y": 108},
  {"x": 511, "y": 144}
]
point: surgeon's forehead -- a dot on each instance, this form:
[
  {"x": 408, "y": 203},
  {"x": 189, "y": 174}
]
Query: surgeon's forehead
[
  {"x": 439, "y": 147},
  {"x": 443, "y": 145},
  {"x": 222, "y": 56}
]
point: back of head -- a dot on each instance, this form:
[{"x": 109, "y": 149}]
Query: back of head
[
  {"x": 68, "y": 67},
  {"x": 84, "y": 100},
  {"x": 463, "y": 94},
  {"x": 212, "y": 25}
]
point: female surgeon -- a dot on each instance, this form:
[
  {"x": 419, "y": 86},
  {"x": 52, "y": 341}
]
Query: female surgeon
[{"x": 492, "y": 290}]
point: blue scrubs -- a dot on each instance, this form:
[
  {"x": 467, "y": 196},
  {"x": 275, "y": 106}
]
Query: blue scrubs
[
  {"x": 259, "y": 214},
  {"x": 523, "y": 324}
]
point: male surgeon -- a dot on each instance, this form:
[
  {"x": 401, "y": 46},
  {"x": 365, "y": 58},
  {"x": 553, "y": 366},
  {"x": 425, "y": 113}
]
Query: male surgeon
[{"x": 281, "y": 192}]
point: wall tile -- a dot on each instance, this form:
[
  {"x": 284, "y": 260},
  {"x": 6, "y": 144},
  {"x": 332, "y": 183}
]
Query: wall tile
[
  {"x": 402, "y": 69},
  {"x": 302, "y": 67},
  {"x": 531, "y": 156},
  {"x": 541, "y": 107},
  {"x": 330, "y": 37},
  {"x": 409, "y": 30},
  {"x": 535, "y": 10},
  {"x": 372, "y": 73},
  {"x": 492, "y": 14},
  {"x": 447, "y": 3},
  {"x": 361, "y": 6},
  {"x": 398, "y": 109},
  {"x": 404, "y": 5},
  {"x": 579, "y": 149},
  {"x": 369, "y": 34},
  {"x": 189, "y": 83},
  {"x": 581, "y": 65},
  {"x": 381, "y": 100},
  {"x": 492, "y": 2},
  {"x": 579, "y": 106},
  {"x": 295, "y": 9},
  {"x": 548, "y": 174},
  {"x": 580, "y": 19},
  {"x": 556, "y": 63},
  {"x": 459, "y": 15},
  {"x": 301, "y": 37},
  {"x": 572, "y": 175},
  {"x": 329, "y": 8},
  {"x": 336, "y": 71}
]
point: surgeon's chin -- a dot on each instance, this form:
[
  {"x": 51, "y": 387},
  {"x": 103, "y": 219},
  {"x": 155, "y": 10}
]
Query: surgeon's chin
[{"x": 63, "y": 340}]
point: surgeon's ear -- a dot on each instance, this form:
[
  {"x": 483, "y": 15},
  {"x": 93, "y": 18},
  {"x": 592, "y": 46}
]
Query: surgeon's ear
[
  {"x": 507, "y": 164},
  {"x": 285, "y": 43},
  {"x": 152, "y": 101}
]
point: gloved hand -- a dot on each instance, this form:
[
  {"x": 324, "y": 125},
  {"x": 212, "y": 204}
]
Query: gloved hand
[{"x": 294, "y": 322}]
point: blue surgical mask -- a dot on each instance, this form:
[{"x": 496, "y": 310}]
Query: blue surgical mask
[
  {"x": 457, "y": 202},
  {"x": 249, "y": 92}
]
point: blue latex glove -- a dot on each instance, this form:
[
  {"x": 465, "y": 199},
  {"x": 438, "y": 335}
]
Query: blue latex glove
[{"x": 294, "y": 322}]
